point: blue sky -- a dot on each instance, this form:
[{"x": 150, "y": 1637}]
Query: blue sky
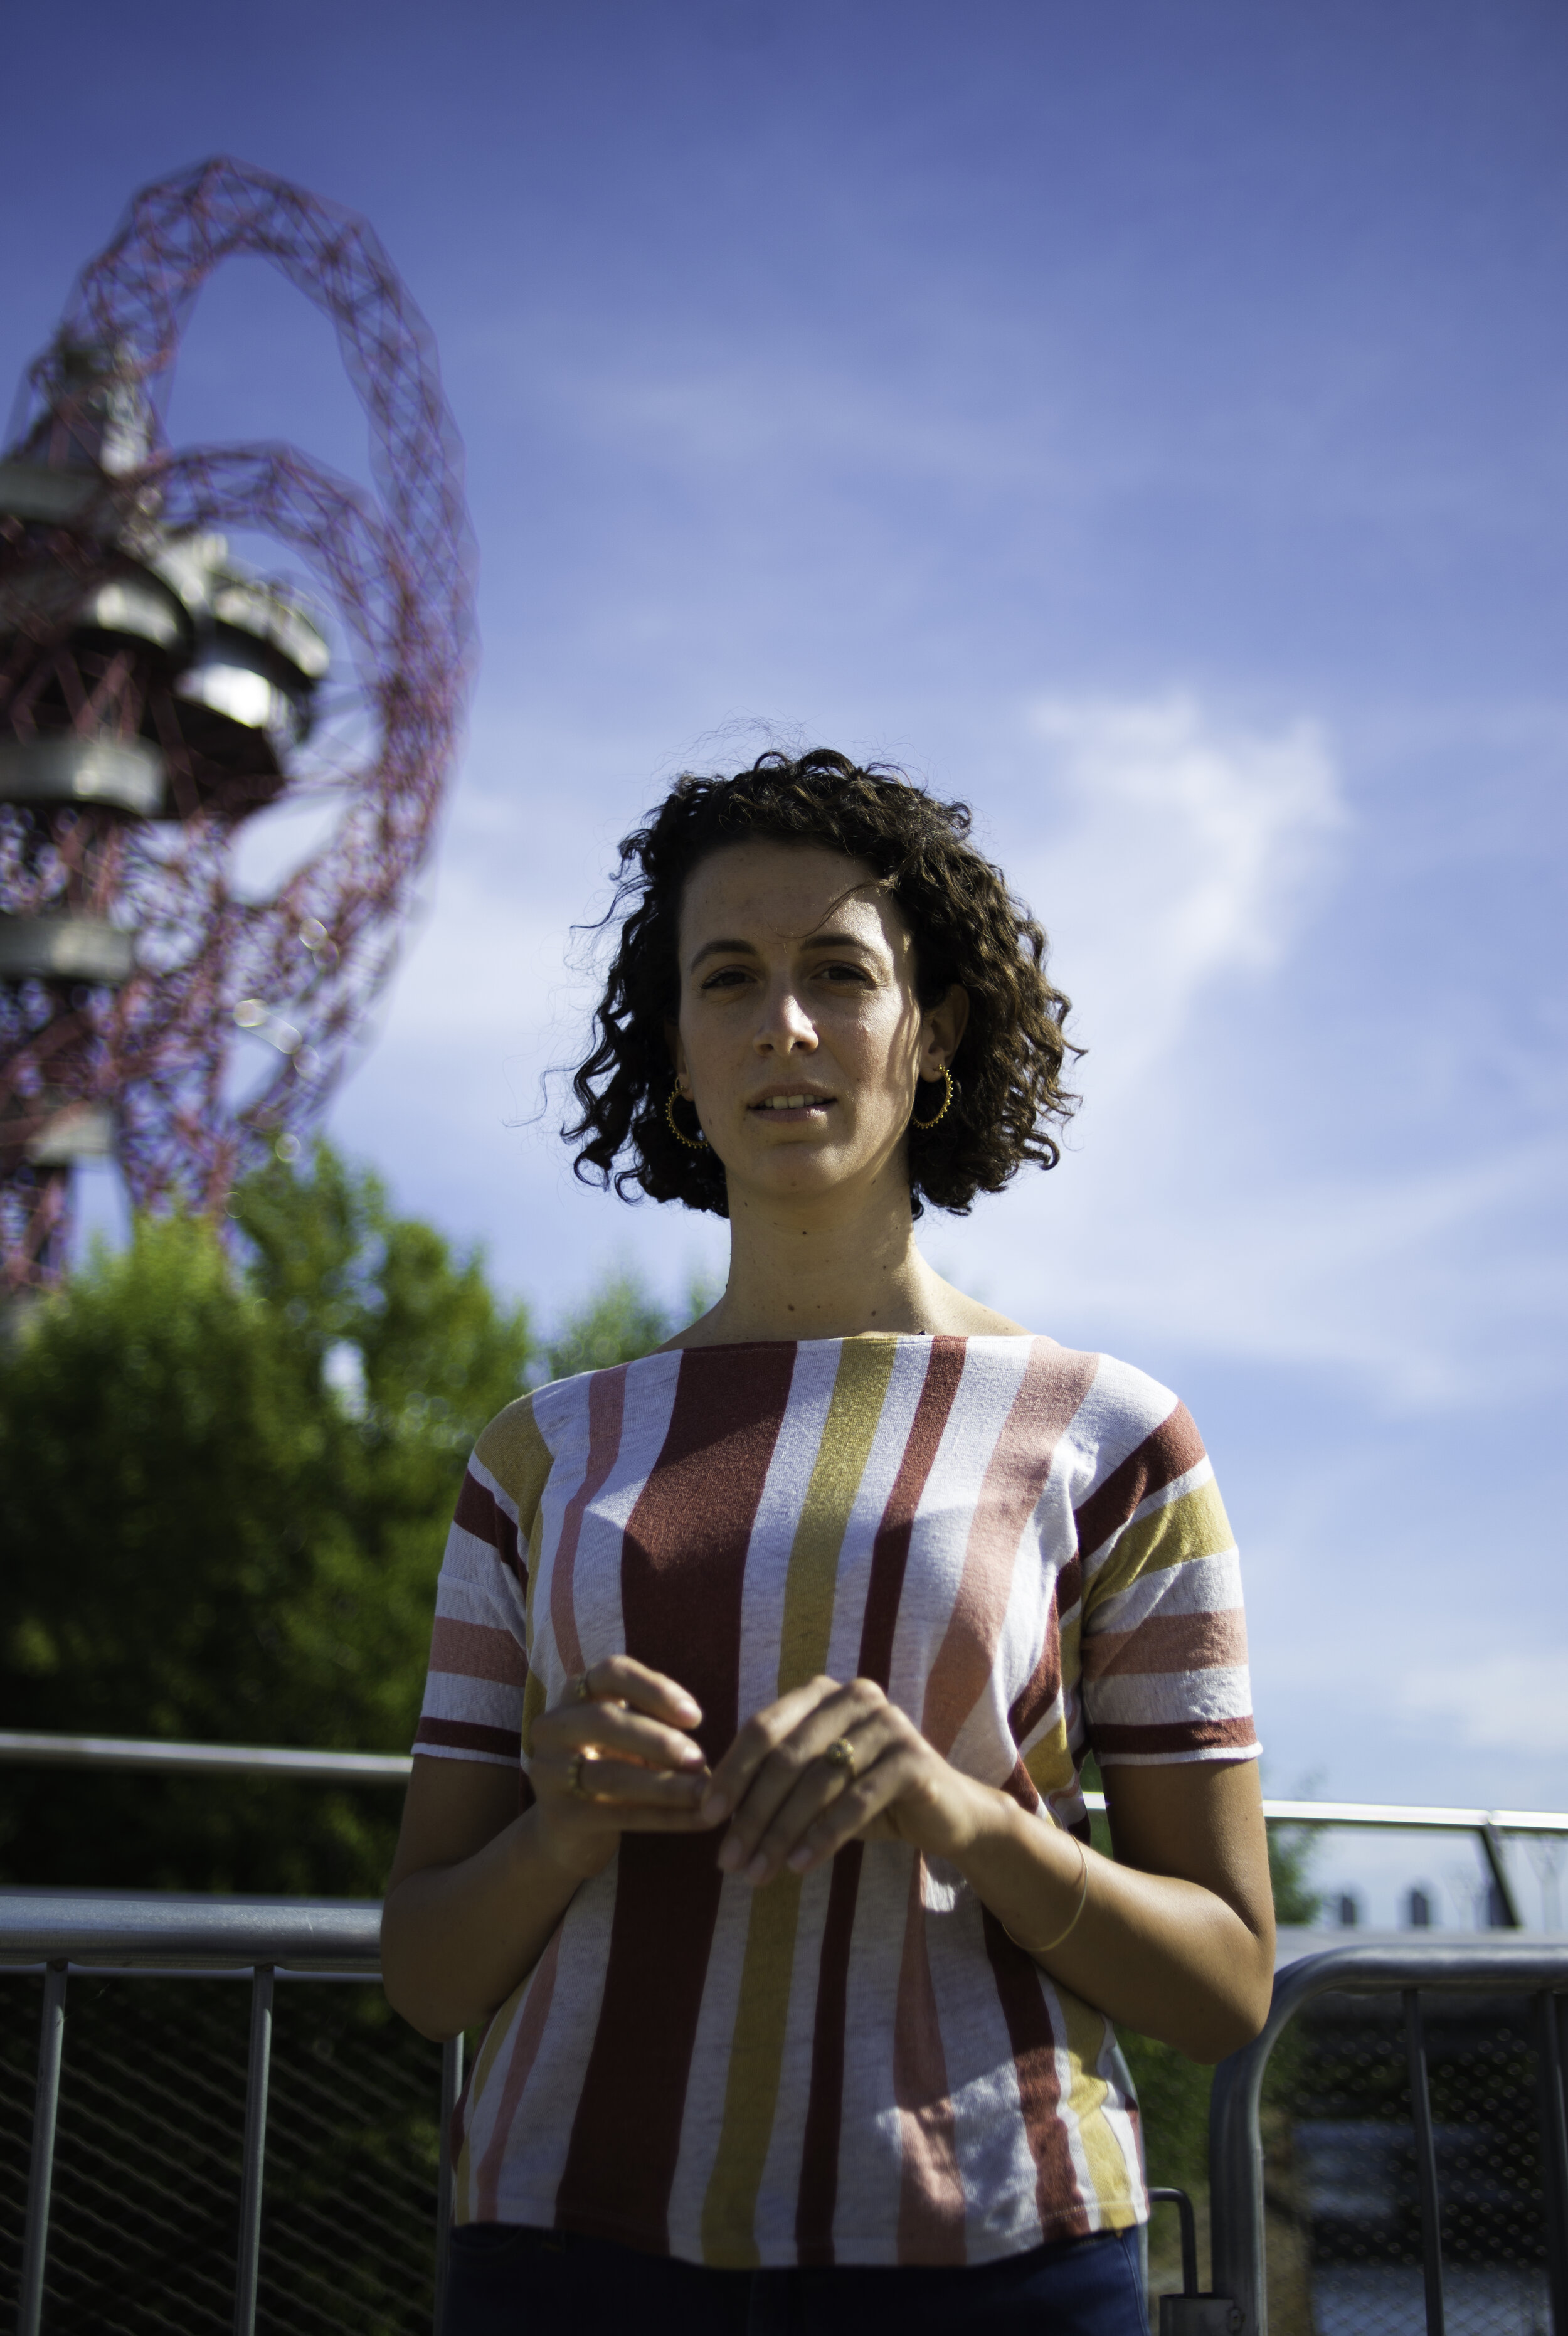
[{"x": 1149, "y": 423}]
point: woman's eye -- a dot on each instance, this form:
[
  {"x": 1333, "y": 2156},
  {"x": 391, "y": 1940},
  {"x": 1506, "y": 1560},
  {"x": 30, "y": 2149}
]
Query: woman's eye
[
  {"x": 847, "y": 973},
  {"x": 726, "y": 978}
]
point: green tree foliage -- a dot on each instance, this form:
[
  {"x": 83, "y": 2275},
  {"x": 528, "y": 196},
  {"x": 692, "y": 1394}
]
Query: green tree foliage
[
  {"x": 620, "y": 1322},
  {"x": 224, "y": 1489}
]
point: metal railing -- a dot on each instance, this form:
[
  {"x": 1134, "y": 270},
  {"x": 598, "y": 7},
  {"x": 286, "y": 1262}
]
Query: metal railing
[
  {"x": 1495, "y": 1966},
  {"x": 35, "y": 1748},
  {"x": 59, "y": 1933}
]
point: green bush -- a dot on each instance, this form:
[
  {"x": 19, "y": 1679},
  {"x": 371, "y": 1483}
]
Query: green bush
[{"x": 209, "y": 1539}]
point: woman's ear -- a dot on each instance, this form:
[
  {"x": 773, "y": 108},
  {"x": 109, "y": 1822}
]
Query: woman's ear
[{"x": 944, "y": 1030}]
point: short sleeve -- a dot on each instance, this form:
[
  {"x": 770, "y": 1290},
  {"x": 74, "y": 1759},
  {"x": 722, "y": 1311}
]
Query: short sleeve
[
  {"x": 474, "y": 1690},
  {"x": 478, "y": 1676},
  {"x": 1165, "y": 1638}
]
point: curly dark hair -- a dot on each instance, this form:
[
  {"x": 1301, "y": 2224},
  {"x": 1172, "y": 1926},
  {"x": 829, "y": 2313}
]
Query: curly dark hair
[{"x": 965, "y": 925}]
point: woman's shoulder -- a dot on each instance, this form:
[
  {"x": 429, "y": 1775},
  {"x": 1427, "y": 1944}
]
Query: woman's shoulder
[{"x": 1108, "y": 1407}]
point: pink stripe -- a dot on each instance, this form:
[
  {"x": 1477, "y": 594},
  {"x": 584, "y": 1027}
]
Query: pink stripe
[
  {"x": 930, "y": 2187},
  {"x": 606, "y": 1409},
  {"x": 1054, "y": 1385},
  {"x": 519, "y": 2068},
  {"x": 477, "y": 1650}
]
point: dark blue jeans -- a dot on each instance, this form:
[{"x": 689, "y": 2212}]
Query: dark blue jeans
[{"x": 509, "y": 2280}]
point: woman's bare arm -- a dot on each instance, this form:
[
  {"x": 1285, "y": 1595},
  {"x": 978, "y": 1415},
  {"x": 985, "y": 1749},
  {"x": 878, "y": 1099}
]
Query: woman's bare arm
[
  {"x": 1176, "y": 1936},
  {"x": 476, "y": 1890}
]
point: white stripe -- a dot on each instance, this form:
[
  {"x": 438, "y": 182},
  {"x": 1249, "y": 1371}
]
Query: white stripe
[{"x": 995, "y": 2164}]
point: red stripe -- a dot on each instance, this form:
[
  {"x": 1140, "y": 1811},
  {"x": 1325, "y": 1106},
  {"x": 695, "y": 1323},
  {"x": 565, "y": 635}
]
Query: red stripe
[
  {"x": 891, "y": 1553},
  {"x": 683, "y": 1561},
  {"x": 467, "y": 1736},
  {"x": 1057, "y": 2198},
  {"x": 1174, "y": 1447},
  {"x": 525, "y": 2047},
  {"x": 605, "y": 1409},
  {"x": 480, "y": 1513},
  {"x": 1053, "y": 1387},
  {"x": 818, "y": 2182},
  {"x": 1044, "y": 1684},
  {"x": 1175, "y": 1736},
  {"x": 816, "y": 2200}
]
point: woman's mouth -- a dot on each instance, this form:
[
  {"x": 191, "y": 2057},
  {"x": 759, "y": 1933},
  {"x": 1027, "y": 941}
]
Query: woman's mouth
[{"x": 790, "y": 1106}]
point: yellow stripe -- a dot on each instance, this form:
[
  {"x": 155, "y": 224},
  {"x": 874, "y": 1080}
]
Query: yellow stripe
[
  {"x": 518, "y": 1457},
  {"x": 1048, "y": 1764},
  {"x": 1088, "y": 2033},
  {"x": 762, "y": 2014},
  {"x": 1195, "y": 1525}
]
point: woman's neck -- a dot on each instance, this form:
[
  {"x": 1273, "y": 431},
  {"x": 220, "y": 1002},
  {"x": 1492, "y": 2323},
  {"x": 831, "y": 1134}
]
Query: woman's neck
[{"x": 829, "y": 1271}]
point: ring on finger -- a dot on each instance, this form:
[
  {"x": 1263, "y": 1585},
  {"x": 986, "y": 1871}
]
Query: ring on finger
[
  {"x": 580, "y": 1689},
  {"x": 574, "y": 1784},
  {"x": 840, "y": 1755}
]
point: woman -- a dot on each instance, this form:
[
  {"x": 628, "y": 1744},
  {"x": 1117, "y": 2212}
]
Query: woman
[{"x": 799, "y": 1974}]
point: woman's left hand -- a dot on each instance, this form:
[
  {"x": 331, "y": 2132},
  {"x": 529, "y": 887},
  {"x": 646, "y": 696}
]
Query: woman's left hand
[{"x": 830, "y": 1764}]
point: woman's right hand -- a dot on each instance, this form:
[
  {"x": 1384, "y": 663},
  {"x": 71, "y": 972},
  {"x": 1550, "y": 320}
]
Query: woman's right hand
[{"x": 614, "y": 1756}]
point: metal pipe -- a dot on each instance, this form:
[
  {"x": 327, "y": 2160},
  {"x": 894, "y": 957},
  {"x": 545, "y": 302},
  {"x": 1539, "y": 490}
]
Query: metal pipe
[
  {"x": 1512, "y": 1965},
  {"x": 105, "y": 1930},
  {"x": 1553, "y": 2150},
  {"x": 36, "y": 1748},
  {"x": 1426, "y": 2163},
  {"x": 450, "y": 2093},
  {"x": 1189, "y": 2221},
  {"x": 40, "y": 2171},
  {"x": 1492, "y": 1844},
  {"x": 248, "y": 2252}
]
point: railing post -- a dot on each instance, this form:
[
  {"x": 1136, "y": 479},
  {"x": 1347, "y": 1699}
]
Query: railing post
[
  {"x": 1425, "y": 2162},
  {"x": 1553, "y": 2150},
  {"x": 450, "y": 2093},
  {"x": 41, "y": 2174},
  {"x": 248, "y": 2252},
  {"x": 1492, "y": 1844}
]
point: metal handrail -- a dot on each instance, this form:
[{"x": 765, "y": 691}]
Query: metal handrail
[
  {"x": 36, "y": 1748},
  {"x": 25, "y": 1748},
  {"x": 1493, "y": 1965},
  {"x": 198, "y": 1937},
  {"x": 32, "y": 1749}
]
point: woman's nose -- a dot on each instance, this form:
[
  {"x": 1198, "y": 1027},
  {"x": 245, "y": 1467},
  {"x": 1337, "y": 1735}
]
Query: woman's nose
[{"x": 785, "y": 1027}]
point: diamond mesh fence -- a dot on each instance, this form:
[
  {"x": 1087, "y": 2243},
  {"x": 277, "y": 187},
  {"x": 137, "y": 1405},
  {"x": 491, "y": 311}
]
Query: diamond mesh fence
[
  {"x": 151, "y": 2122},
  {"x": 147, "y": 2165},
  {"x": 1340, "y": 2174}
]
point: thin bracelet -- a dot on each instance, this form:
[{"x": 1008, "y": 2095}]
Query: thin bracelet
[{"x": 1052, "y": 1944}]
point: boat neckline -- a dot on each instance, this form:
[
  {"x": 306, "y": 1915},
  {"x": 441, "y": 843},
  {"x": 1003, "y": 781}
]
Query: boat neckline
[{"x": 851, "y": 1338}]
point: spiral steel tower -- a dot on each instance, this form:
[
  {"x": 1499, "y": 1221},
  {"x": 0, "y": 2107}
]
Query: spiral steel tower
[{"x": 157, "y": 692}]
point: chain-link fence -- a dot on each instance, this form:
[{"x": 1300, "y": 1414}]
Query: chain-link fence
[
  {"x": 1390, "y": 2158},
  {"x": 1343, "y": 2178},
  {"x": 148, "y": 2163}
]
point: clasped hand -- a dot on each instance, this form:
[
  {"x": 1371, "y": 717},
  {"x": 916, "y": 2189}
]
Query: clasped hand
[{"x": 616, "y": 1755}]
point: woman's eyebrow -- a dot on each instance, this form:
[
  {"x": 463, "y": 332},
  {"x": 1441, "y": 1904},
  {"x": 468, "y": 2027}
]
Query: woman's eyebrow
[
  {"x": 749, "y": 948},
  {"x": 723, "y": 949}
]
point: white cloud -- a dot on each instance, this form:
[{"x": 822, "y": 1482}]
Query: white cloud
[
  {"x": 1189, "y": 850},
  {"x": 1501, "y": 1703}
]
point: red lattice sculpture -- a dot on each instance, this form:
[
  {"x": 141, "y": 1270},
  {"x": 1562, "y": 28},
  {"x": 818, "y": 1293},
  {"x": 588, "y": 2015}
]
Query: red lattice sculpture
[{"x": 156, "y": 694}]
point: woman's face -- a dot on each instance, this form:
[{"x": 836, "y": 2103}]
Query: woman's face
[{"x": 800, "y": 1040}]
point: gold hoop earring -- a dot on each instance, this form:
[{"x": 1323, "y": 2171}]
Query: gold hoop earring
[
  {"x": 947, "y": 1103},
  {"x": 697, "y": 1142}
]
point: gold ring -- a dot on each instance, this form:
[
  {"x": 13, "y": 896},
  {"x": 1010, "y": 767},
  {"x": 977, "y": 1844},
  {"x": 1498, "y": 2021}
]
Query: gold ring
[
  {"x": 841, "y": 1755},
  {"x": 579, "y": 1687},
  {"x": 574, "y": 1778}
]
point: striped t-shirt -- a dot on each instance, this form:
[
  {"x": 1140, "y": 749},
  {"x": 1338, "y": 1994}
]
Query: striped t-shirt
[{"x": 1025, "y": 1548}]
